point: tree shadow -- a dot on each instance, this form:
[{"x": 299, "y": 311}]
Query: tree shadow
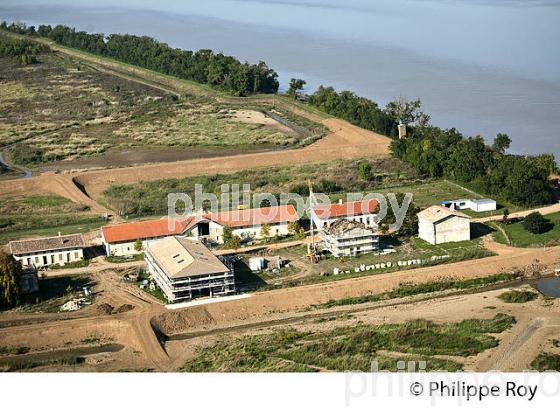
[
  {"x": 245, "y": 278},
  {"x": 53, "y": 288},
  {"x": 478, "y": 230}
]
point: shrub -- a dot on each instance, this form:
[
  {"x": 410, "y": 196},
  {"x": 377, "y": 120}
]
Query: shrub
[
  {"x": 546, "y": 362},
  {"x": 518, "y": 296},
  {"x": 535, "y": 223}
]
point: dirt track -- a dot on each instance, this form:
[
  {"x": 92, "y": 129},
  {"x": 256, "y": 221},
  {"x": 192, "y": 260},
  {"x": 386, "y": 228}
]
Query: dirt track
[
  {"x": 345, "y": 141},
  {"x": 134, "y": 330}
]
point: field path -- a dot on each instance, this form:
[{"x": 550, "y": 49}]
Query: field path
[{"x": 345, "y": 141}]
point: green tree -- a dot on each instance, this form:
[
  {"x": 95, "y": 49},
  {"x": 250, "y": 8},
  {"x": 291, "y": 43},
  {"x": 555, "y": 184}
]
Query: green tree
[
  {"x": 227, "y": 234},
  {"x": 265, "y": 231},
  {"x": 547, "y": 162},
  {"x": 233, "y": 242},
  {"x": 409, "y": 226},
  {"x": 501, "y": 143},
  {"x": 535, "y": 223},
  {"x": 293, "y": 227},
  {"x": 364, "y": 170},
  {"x": 296, "y": 85},
  {"x": 10, "y": 274},
  {"x": 138, "y": 245}
]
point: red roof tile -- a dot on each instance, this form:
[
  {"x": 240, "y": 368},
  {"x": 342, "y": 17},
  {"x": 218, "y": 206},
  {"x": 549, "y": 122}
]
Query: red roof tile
[
  {"x": 254, "y": 216},
  {"x": 145, "y": 229},
  {"x": 346, "y": 209}
]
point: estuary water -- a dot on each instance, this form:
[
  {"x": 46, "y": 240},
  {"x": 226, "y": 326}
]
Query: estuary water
[{"x": 482, "y": 66}]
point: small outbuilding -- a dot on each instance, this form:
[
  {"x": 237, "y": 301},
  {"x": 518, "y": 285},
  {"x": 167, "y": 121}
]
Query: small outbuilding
[{"x": 439, "y": 224}]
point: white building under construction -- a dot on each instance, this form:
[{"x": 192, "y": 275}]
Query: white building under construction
[
  {"x": 184, "y": 269},
  {"x": 349, "y": 238}
]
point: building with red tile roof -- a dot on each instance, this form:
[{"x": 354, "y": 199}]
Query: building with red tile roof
[
  {"x": 248, "y": 223},
  {"x": 119, "y": 240},
  {"x": 360, "y": 211}
]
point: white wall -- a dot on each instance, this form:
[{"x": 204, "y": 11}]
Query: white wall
[
  {"x": 452, "y": 229},
  {"x": 248, "y": 233},
  {"x": 55, "y": 257}
]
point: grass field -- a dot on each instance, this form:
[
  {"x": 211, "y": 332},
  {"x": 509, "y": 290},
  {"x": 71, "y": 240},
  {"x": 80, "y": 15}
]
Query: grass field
[
  {"x": 352, "y": 348},
  {"x": 43, "y": 216},
  {"x": 62, "y": 109},
  {"x": 518, "y": 236},
  {"x": 150, "y": 198}
]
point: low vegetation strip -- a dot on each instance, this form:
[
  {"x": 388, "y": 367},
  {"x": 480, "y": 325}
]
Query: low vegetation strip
[
  {"x": 150, "y": 197},
  {"x": 352, "y": 348},
  {"x": 412, "y": 289},
  {"x": 518, "y": 296},
  {"x": 43, "y": 215}
]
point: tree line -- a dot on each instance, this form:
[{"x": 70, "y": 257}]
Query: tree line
[
  {"x": 25, "y": 51},
  {"x": 436, "y": 152},
  {"x": 202, "y": 66}
]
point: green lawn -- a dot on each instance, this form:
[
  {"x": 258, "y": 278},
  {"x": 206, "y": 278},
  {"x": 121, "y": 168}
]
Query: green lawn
[
  {"x": 519, "y": 237},
  {"x": 43, "y": 215}
]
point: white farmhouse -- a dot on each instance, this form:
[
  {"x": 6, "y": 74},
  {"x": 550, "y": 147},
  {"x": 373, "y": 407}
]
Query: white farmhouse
[
  {"x": 56, "y": 250},
  {"x": 439, "y": 224},
  {"x": 120, "y": 240},
  {"x": 248, "y": 223}
]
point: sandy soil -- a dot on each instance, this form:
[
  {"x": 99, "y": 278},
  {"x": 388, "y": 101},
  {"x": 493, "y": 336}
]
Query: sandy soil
[{"x": 134, "y": 329}]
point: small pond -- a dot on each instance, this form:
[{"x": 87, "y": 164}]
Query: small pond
[{"x": 549, "y": 286}]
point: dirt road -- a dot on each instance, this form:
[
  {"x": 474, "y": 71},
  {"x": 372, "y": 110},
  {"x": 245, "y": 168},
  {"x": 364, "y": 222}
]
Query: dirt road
[
  {"x": 301, "y": 297},
  {"x": 545, "y": 210},
  {"x": 345, "y": 141},
  {"x": 134, "y": 329}
]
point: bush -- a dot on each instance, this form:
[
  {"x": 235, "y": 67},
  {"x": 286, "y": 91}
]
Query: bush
[
  {"x": 546, "y": 362},
  {"x": 535, "y": 223},
  {"x": 518, "y": 296}
]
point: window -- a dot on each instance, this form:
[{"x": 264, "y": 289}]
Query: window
[
  {"x": 76, "y": 255},
  {"x": 36, "y": 259},
  {"x": 60, "y": 257}
]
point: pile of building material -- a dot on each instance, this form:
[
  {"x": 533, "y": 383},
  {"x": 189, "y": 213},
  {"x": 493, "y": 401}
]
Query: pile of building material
[{"x": 388, "y": 265}]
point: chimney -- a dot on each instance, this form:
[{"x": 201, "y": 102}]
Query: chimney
[{"x": 340, "y": 201}]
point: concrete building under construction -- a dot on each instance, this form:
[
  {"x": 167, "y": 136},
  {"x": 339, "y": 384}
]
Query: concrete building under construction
[
  {"x": 349, "y": 238},
  {"x": 184, "y": 269}
]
